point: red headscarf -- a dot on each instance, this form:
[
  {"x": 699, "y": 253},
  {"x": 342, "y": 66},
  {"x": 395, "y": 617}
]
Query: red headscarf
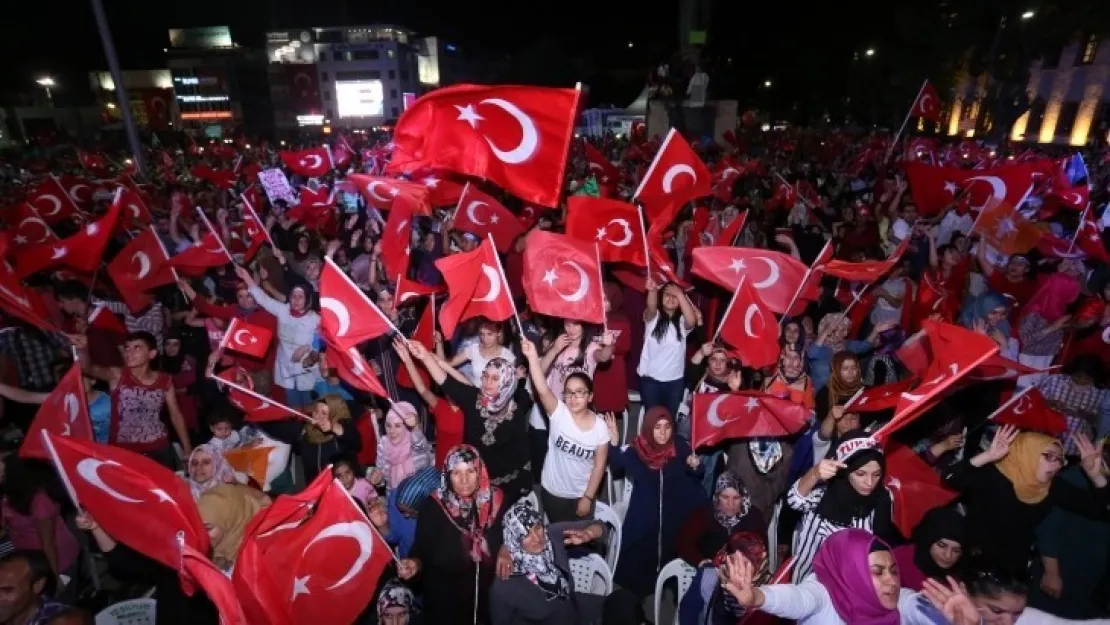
[{"x": 650, "y": 452}]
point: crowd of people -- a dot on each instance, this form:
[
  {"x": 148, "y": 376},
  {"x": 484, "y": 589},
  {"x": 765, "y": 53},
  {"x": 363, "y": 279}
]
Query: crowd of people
[{"x": 500, "y": 454}]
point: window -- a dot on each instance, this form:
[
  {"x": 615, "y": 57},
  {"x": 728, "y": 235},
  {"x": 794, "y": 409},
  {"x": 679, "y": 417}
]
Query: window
[
  {"x": 330, "y": 115},
  {"x": 393, "y": 94},
  {"x": 363, "y": 55},
  {"x": 1090, "y": 50},
  {"x": 370, "y": 74},
  {"x": 396, "y": 112},
  {"x": 1036, "y": 117},
  {"x": 404, "y": 75},
  {"x": 390, "y": 53},
  {"x": 323, "y": 76},
  {"x": 323, "y": 56},
  {"x": 1066, "y": 119},
  {"x": 392, "y": 75}
]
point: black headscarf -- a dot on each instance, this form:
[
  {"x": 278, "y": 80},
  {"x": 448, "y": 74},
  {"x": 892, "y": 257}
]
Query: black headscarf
[
  {"x": 937, "y": 524},
  {"x": 841, "y": 503}
]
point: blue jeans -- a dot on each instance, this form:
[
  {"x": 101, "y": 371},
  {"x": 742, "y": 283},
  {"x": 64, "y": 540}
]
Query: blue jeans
[{"x": 667, "y": 394}]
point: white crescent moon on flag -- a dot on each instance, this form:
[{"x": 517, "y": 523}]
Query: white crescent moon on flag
[
  {"x": 35, "y": 220},
  {"x": 583, "y": 284},
  {"x": 316, "y": 161},
  {"x": 772, "y": 277},
  {"x": 73, "y": 191},
  {"x": 357, "y": 366},
  {"x": 374, "y": 194},
  {"x": 494, "y": 284},
  {"x": 529, "y": 139},
  {"x": 134, "y": 210},
  {"x": 998, "y": 191},
  {"x": 55, "y": 200},
  {"x": 357, "y": 530},
  {"x": 1023, "y": 405},
  {"x": 238, "y": 337},
  {"x": 711, "y": 414},
  {"x": 71, "y": 406},
  {"x": 341, "y": 314},
  {"x": 673, "y": 172},
  {"x": 470, "y": 212},
  {"x": 88, "y": 468},
  {"x": 623, "y": 223},
  {"x": 1078, "y": 197},
  {"x": 750, "y": 314},
  {"x": 925, "y": 102},
  {"x": 144, "y": 264}
]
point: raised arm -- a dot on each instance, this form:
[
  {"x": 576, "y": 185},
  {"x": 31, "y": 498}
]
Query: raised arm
[
  {"x": 421, "y": 353},
  {"x": 539, "y": 377},
  {"x": 402, "y": 349},
  {"x": 110, "y": 375},
  {"x": 21, "y": 396},
  {"x": 651, "y": 306}
]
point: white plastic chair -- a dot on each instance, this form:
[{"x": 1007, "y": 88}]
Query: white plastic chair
[
  {"x": 635, "y": 428},
  {"x": 683, "y": 574},
  {"x": 586, "y": 572},
  {"x": 606, "y": 514},
  {"x": 773, "y": 537},
  {"x": 621, "y": 507},
  {"x": 130, "y": 612}
]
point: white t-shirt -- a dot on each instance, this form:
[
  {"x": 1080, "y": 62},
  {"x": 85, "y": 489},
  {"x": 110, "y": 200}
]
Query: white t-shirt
[
  {"x": 570, "y": 454},
  {"x": 665, "y": 360}
]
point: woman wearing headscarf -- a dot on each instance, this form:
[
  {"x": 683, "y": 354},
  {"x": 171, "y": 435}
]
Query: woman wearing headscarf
[
  {"x": 666, "y": 488},
  {"x": 854, "y": 582},
  {"x": 935, "y": 550},
  {"x": 295, "y": 367},
  {"x": 989, "y": 314},
  {"x": 1043, "y": 320},
  {"x": 793, "y": 335},
  {"x": 403, "y": 502},
  {"x": 844, "y": 490},
  {"x": 397, "y": 605},
  {"x": 331, "y": 432},
  {"x": 832, "y": 339},
  {"x": 495, "y": 418},
  {"x": 458, "y": 536},
  {"x": 539, "y": 588},
  {"x": 1011, "y": 487},
  {"x": 707, "y": 603},
  {"x": 846, "y": 380},
  {"x": 226, "y": 509},
  {"x": 207, "y": 470},
  {"x": 708, "y": 529},
  {"x": 403, "y": 450},
  {"x": 611, "y": 377}
]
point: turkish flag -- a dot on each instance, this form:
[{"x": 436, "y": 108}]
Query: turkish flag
[
  {"x": 140, "y": 266},
  {"x": 100, "y": 318},
  {"x": 442, "y": 191},
  {"x": 675, "y": 177},
  {"x": 64, "y": 413},
  {"x": 135, "y": 214},
  {"x": 614, "y": 225},
  {"x": 424, "y": 333},
  {"x": 475, "y": 288},
  {"x": 716, "y": 417},
  {"x": 28, "y": 228},
  {"x": 353, "y": 368},
  {"x": 865, "y": 271},
  {"x": 396, "y": 242},
  {"x": 247, "y": 338},
  {"x": 1075, "y": 198},
  {"x": 998, "y": 367},
  {"x": 198, "y": 570},
  {"x": 935, "y": 188},
  {"x": 202, "y": 256},
  {"x": 21, "y": 302},
  {"x": 320, "y": 568},
  {"x": 1089, "y": 239},
  {"x": 562, "y": 277},
  {"x": 81, "y": 252},
  {"x": 953, "y": 352},
  {"x": 774, "y": 275},
  {"x": 314, "y": 208},
  {"x": 347, "y": 316},
  {"x": 927, "y": 105},
  {"x": 117, "y": 487},
  {"x": 52, "y": 202},
  {"x": 915, "y": 488},
  {"x": 258, "y": 409},
  {"x": 80, "y": 190},
  {"x": 600, "y": 166},
  {"x": 750, "y": 327},
  {"x": 662, "y": 271},
  {"x": 253, "y": 234},
  {"x": 879, "y": 398},
  {"x": 408, "y": 290},
  {"x": 313, "y": 162},
  {"x": 515, "y": 137},
  {"x": 385, "y": 193},
  {"x": 480, "y": 214},
  {"x": 1030, "y": 411}
]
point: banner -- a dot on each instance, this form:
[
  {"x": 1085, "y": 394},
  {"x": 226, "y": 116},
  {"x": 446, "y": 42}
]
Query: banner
[{"x": 277, "y": 187}]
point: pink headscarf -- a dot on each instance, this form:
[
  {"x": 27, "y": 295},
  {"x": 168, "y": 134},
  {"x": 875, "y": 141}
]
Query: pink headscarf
[
  {"x": 1053, "y": 297},
  {"x": 399, "y": 455},
  {"x": 841, "y": 567}
]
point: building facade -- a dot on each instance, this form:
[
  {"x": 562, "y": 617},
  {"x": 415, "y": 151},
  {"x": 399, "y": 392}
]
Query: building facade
[
  {"x": 151, "y": 94},
  {"x": 1069, "y": 92},
  {"x": 352, "y": 76}
]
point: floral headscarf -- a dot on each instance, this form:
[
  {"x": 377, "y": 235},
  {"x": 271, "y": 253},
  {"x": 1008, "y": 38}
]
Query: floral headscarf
[
  {"x": 538, "y": 568},
  {"x": 725, "y": 481},
  {"x": 506, "y": 387},
  {"x": 474, "y": 515},
  {"x": 395, "y": 595},
  {"x": 221, "y": 470}
]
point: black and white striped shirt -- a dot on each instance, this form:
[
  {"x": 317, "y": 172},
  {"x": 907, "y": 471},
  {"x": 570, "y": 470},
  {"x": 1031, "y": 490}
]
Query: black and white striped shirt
[{"x": 814, "y": 529}]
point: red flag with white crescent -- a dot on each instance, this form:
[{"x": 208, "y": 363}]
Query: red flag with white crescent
[
  {"x": 715, "y": 417},
  {"x": 751, "y": 328},
  {"x": 64, "y": 413},
  {"x": 562, "y": 277},
  {"x": 247, "y": 338},
  {"x": 774, "y": 275},
  {"x": 675, "y": 177},
  {"x": 475, "y": 288}
]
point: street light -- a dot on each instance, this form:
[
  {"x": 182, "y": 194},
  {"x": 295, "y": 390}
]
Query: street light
[
  {"x": 870, "y": 52},
  {"x": 1028, "y": 15},
  {"x": 629, "y": 44},
  {"x": 766, "y": 83},
  {"x": 46, "y": 83}
]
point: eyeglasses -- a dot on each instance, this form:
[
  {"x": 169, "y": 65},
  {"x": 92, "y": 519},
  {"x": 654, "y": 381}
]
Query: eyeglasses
[
  {"x": 1055, "y": 459},
  {"x": 577, "y": 394}
]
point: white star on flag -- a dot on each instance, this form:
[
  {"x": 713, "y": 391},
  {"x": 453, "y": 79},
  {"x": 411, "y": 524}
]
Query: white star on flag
[
  {"x": 950, "y": 187},
  {"x": 737, "y": 265},
  {"x": 469, "y": 115},
  {"x": 751, "y": 404},
  {"x": 1005, "y": 226},
  {"x": 601, "y": 234},
  {"x": 550, "y": 277},
  {"x": 300, "y": 586},
  {"x": 431, "y": 182}
]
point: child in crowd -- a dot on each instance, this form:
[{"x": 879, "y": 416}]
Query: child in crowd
[
  {"x": 224, "y": 434},
  {"x": 347, "y": 471},
  {"x": 331, "y": 385}
]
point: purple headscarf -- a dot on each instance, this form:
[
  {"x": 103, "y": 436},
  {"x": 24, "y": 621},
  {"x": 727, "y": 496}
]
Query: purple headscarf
[{"x": 841, "y": 567}]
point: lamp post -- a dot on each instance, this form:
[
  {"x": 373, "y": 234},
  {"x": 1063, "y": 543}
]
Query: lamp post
[
  {"x": 121, "y": 91},
  {"x": 46, "y": 83}
]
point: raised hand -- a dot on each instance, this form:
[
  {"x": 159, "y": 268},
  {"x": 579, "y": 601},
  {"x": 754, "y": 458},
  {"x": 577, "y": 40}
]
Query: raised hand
[
  {"x": 1000, "y": 445},
  {"x": 828, "y": 468},
  {"x": 736, "y": 577}
]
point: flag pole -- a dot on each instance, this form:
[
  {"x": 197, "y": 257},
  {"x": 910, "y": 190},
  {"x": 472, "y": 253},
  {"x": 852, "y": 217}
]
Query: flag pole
[
  {"x": 1082, "y": 220},
  {"x": 505, "y": 284},
  {"x": 354, "y": 286},
  {"x": 458, "y": 205},
  {"x": 339, "y": 486},
  {"x": 601, "y": 285},
  {"x": 643, "y": 234},
  {"x": 909, "y": 113},
  {"x": 57, "y": 462},
  {"x": 1010, "y": 402},
  {"x": 724, "y": 318},
  {"x": 207, "y": 223},
  {"x": 254, "y": 215},
  {"x": 802, "y": 286},
  {"x": 264, "y": 400}
]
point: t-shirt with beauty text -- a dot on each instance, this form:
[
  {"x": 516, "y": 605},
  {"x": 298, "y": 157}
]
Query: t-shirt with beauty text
[{"x": 570, "y": 453}]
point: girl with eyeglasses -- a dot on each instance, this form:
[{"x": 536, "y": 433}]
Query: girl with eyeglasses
[
  {"x": 577, "y": 443},
  {"x": 1011, "y": 487}
]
